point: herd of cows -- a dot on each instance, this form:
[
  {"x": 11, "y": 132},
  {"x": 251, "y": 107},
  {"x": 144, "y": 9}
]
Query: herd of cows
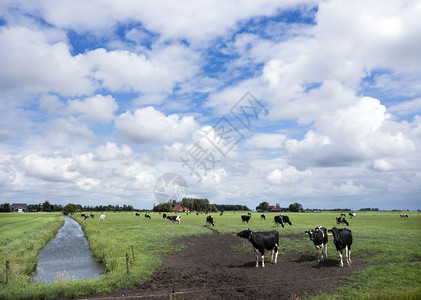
[{"x": 269, "y": 240}]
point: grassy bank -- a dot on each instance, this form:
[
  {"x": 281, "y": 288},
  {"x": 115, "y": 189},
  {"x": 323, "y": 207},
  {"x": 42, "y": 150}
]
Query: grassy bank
[{"x": 388, "y": 244}]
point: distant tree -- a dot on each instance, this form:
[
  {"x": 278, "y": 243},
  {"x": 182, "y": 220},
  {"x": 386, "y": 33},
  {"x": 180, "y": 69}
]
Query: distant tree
[
  {"x": 71, "y": 208},
  {"x": 264, "y": 206},
  {"x": 295, "y": 207},
  {"x": 46, "y": 206},
  {"x": 162, "y": 207},
  {"x": 5, "y": 207}
]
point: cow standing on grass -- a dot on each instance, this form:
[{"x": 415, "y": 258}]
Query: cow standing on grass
[
  {"x": 262, "y": 241},
  {"x": 341, "y": 220},
  {"x": 209, "y": 220},
  {"x": 101, "y": 218},
  {"x": 262, "y": 216},
  {"x": 278, "y": 220},
  {"x": 342, "y": 238},
  {"x": 147, "y": 216},
  {"x": 245, "y": 218},
  {"x": 352, "y": 215},
  {"x": 319, "y": 238}
]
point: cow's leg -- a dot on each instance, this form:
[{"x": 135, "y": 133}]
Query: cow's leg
[
  {"x": 272, "y": 253},
  {"x": 276, "y": 253},
  {"x": 257, "y": 257},
  {"x": 340, "y": 255},
  {"x": 348, "y": 258},
  {"x": 325, "y": 249},
  {"x": 263, "y": 260}
]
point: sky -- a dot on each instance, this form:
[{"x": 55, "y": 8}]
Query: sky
[{"x": 315, "y": 102}]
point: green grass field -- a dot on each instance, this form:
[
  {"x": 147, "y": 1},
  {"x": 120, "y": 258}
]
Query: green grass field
[{"x": 388, "y": 244}]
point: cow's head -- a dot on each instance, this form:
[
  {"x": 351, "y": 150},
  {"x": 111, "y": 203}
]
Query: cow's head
[
  {"x": 246, "y": 234},
  {"x": 335, "y": 232},
  {"x": 311, "y": 234}
]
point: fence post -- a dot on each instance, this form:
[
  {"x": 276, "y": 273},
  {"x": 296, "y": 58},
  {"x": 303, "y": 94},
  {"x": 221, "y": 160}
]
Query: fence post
[
  {"x": 7, "y": 271},
  {"x": 132, "y": 253},
  {"x": 127, "y": 263}
]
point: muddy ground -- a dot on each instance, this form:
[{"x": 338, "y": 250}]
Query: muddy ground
[{"x": 221, "y": 267}]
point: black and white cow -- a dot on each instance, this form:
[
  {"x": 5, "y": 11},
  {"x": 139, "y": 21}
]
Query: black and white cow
[
  {"x": 261, "y": 241},
  {"x": 164, "y": 216},
  {"x": 285, "y": 219},
  {"x": 342, "y": 238},
  {"x": 147, "y": 216},
  {"x": 262, "y": 216},
  {"x": 352, "y": 215},
  {"x": 343, "y": 215},
  {"x": 245, "y": 218},
  {"x": 319, "y": 238},
  {"x": 82, "y": 215},
  {"x": 137, "y": 214},
  {"x": 278, "y": 220},
  {"x": 404, "y": 215},
  {"x": 92, "y": 216},
  {"x": 174, "y": 218},
  {"x": 209, "y": 220},
  {"x": 341, "y": 220},
  {"x": 86, "y": 217}
]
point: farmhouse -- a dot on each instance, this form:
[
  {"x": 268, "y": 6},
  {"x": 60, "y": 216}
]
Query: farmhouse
[
  {"x": 19, "y": 207},
  {"x": 275, "y": 209},
  {"x": 180, "y": 208}
]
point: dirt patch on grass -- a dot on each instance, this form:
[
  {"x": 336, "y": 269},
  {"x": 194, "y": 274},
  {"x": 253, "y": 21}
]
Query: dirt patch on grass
[{"x": 209, "y": 268}]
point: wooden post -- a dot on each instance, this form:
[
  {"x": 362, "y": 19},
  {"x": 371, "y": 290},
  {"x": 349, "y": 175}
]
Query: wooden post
[
  {"x": 7, "y": 271},
  {"x": 127, "y": 263},
  {"x": 132, "y": 253}
]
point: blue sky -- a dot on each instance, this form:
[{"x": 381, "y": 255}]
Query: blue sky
[{"x": 99, "y": 99}]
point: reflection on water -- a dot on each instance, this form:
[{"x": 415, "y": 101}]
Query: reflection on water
[{"x": 67, "y": 256}]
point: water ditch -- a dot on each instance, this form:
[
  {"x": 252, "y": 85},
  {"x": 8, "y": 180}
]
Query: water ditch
[{"x": 67, "y": 256}]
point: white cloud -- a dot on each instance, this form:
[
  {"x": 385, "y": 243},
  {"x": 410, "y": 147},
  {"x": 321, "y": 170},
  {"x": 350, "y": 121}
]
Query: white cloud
[
  {"x": 31, "y": 63},
  {"x": 287, "y": 175},
  {"x": 94, "y": 109},
  {"x": 266, "y": 140},
  {"x": 149, "y": 125},
  {"x": 49, "y": 168},
  {"x": 111, "y": 151}
]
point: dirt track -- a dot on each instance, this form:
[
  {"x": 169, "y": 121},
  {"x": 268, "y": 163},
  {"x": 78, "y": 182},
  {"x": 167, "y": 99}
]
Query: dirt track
[{"x": 211, "y": 268}]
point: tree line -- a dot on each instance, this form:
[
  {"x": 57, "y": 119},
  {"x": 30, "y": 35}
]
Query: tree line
[{"x": 198, "y": 204}]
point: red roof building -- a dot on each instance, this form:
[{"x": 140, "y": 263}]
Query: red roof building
[{"x": 180, "y": 208}]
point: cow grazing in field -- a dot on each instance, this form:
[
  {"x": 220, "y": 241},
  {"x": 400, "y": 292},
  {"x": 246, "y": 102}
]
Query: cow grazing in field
[
  {"x": 209, "y": 220},
  {"x": 245, "y": 218},
  {"x": 278, "y": 220},
  {"x": 262, "y": 241},
  {"x": 137, "y": 214},
  {"x": 404, "y": 215},
  {"x": 101, "y": 218},
  {"x": 164, "y": 216},
  {"x": 82, "y": 215},
  {"x": 343, "y": 215},
  {"x": 352, "y": 215},
  {"x": 174, "y": 219},
  {"x": 262, "y": 216},
  {"x": 342, "y": 238},
  {"x": 92, "y": 216},
  {"x": 147, "y": 216},
  {"x": 285, "y": 219},
  {"x": 319, "y": 238},
  {"x": 86, "y": 217},
  {"x": 249, "y": 214},
  {"x": 341, "y": 220},
  {"x": 221, "y": 213}
]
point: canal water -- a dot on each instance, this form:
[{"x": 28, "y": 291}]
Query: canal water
[{"x": 67, "y": 256}]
